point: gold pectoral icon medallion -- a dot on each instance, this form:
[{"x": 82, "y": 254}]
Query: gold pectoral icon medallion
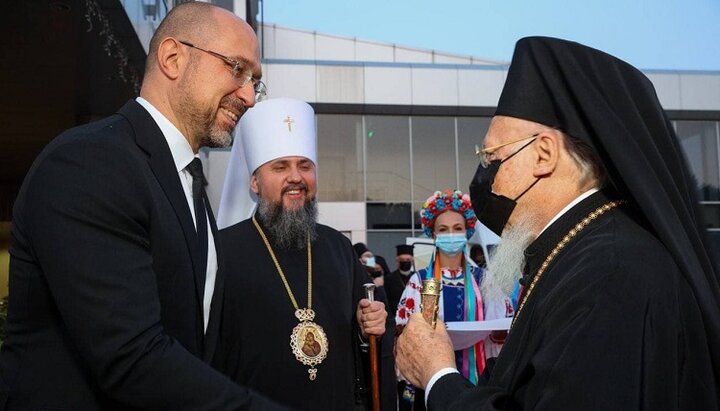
[{"x": 308, "y": 341}]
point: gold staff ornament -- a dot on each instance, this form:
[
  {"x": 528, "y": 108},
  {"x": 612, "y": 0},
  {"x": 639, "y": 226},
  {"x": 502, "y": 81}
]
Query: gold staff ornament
[{"x": 429, "y": 298}]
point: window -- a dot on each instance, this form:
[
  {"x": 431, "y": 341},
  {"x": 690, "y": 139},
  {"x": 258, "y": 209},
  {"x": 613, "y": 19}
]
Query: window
[
  {"x": 471, "y": 131},
  {"x": 388, "y": 158},
  {"x": 389, "y": 216},
  {"x": 433, "y": 148},
  {"x": 383, "y": 243},
  {"x": 340, "y": 165},
  {"x": 699, "y": 140}
]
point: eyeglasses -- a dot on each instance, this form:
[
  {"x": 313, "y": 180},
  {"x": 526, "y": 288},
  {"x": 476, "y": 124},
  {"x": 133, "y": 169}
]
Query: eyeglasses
[
  {"x": 486, "y": 154},
  {"x": 239, "y": 71}
]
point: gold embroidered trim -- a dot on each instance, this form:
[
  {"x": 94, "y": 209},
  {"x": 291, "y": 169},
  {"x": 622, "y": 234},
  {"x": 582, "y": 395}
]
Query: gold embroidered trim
[{"x": 560, "y": 246}]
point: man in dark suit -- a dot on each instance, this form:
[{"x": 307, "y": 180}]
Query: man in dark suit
[{"x": 113, "y": 269}]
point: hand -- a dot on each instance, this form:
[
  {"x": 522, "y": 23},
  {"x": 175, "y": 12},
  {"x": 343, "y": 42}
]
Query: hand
[
  {"x": 379, "y": 281},
  {"x": 422, "y": 351},
  {"x": 371, "y": 317}
]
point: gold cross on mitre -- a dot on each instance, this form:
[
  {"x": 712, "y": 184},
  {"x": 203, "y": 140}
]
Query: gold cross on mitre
[{"x": 289, "y": 122}]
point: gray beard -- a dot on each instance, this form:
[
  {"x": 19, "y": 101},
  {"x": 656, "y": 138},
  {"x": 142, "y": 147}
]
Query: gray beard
[
  {"x": 507, "y": 260},
  {"x": 202, "y": 119},
  {"x": 289, "y": 229}
]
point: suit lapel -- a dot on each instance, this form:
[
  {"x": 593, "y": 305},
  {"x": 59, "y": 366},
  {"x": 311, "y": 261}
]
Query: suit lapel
[{"x": 149, "y": 137}]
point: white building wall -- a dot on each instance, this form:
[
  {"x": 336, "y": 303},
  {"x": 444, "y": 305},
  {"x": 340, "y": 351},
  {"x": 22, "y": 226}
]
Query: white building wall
[
  {"x": 329, "y": 69},
  {"x": 700, "y": 92},
  {"x": 294, "y": 45},
  {"x": 366, "y": 51},
  {"x": 336, "y": 216},
  {"x": 334, "y": 48},
  {"x": 340, "y": 84},
  {"x": 480, "y": 87},
  {"x": 407, "y": 55},
  {"x": 285, "y": 43},
  {"x": 291, "y": 80},
  {"x": 448, "y": 84},
  {"x": 434, "y": 86},
  {"x": 388, "y": 85},
  {"x": 668, "y": 89}
]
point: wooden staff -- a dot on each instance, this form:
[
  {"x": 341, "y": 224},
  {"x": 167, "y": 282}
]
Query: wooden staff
[{"x": 374, "y": 380}]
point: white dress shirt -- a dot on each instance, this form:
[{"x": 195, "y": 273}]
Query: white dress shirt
[{"x": 182, "y": 155}]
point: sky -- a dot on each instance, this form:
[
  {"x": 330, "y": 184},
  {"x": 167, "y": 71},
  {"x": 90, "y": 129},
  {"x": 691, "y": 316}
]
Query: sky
[{"x": 649, "y": 34}]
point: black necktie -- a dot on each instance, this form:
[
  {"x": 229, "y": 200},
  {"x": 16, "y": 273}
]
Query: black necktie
[{"x": 198, "y": 193}]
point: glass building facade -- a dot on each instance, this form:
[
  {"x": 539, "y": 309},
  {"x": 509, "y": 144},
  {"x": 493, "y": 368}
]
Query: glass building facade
[{"x": 394, "y": 162}]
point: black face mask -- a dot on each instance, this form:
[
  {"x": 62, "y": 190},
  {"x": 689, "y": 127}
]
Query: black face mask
[
  {"x": 405, "y": 265},
  {"x": 491, "y": 209}
]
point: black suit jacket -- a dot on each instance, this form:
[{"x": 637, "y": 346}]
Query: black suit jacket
[{"x": 105, "y": 311}]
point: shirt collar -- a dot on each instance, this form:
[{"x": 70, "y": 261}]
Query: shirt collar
[
  {"x": 572, "y": 204},
  {"x": 180, "y": 149}
]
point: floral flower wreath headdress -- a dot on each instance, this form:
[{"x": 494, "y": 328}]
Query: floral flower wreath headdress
[{"x": 441, "y": 202}]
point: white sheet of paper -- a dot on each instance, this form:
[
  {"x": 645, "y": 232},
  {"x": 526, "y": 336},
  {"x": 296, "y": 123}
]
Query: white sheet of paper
[{"x": 466, "y": 333}]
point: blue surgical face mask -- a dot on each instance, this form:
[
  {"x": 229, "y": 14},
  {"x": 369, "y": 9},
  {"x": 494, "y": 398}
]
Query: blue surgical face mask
[
  {"x": 370, "y": 262},
  {"x": 451, "y": 244}
]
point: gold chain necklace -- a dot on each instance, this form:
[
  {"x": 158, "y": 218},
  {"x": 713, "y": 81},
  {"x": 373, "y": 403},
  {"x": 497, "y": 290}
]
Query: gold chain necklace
[
  {"x": 561, "y": 245},
  {"x": 308, "y": 340}
]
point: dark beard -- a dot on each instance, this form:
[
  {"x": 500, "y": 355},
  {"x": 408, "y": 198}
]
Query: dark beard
[{"x": 289, "y": 229}]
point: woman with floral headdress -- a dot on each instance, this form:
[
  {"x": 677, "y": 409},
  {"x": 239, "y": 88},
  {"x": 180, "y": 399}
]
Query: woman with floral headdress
[{"x": 449, "y": 219}]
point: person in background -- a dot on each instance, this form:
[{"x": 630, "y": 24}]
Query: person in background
[
  {"x": 477, "y": 255},
  {"x": 114, "y": 279},
  {"x": 584, "y": 179},
  {"x": 449, "y": 219},
  {"x": 396, "y": 281},
  {"x": 375, "y": 266}
]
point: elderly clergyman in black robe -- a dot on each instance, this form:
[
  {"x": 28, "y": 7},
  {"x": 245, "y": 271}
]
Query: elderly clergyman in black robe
[
  {"x": 294, "y": 312},
  {"x": 582, "y": 174}
]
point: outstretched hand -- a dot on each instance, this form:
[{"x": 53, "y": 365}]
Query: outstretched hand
[{"x": 422, "y": 351}]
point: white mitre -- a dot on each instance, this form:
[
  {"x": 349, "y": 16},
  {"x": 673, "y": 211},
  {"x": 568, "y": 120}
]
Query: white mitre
[{"x": 275, "y": 128}]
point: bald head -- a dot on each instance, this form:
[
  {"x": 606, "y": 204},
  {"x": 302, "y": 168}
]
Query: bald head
[
  {"x": 197, "y": 71},
  {"x": 191, "y": 21}
]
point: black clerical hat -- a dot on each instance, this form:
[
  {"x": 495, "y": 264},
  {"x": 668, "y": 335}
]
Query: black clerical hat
[
  {"x": 360, "y": 248},
  {"x": 611, "y": 105},
  {"x": 404, "y": 249}
]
